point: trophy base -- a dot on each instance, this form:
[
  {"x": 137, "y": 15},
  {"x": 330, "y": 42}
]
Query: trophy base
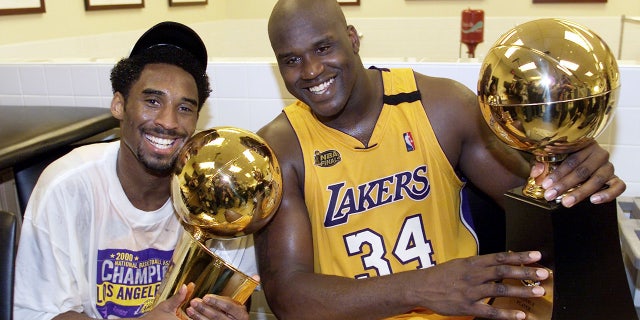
[{"x": 581, "y": 247}]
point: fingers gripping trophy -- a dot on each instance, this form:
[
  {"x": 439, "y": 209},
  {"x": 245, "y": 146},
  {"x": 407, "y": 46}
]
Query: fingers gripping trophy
[
  {"x": 550, "y": 87},
  {"x": 226, "y": 184}
]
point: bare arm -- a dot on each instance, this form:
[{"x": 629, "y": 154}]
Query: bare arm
[
  {"x": 467, "y": 141},
  {"x": 294, "y": 291}
]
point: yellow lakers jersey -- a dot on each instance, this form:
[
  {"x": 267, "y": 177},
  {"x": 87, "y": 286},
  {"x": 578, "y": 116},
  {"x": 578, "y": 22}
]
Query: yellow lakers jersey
[{"x": 388, "y": 207}]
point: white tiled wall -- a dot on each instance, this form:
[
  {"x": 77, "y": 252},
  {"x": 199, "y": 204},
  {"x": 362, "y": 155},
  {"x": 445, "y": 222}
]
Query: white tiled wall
[
  {"x": 408, "y": 38},
  {"x": 249, "y": 94}
]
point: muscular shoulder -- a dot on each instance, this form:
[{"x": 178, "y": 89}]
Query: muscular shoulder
[
  {"x": 449, "y": 93},
  {"x": 278, "y": 133},
  {"x": 281, "y": 137},
  {"x": 453, "y": 112}
]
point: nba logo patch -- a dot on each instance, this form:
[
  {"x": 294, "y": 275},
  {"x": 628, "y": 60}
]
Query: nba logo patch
[{"x": 408, "y": 141}]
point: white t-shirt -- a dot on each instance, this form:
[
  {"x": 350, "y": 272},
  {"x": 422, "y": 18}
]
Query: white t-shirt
[{"x": 85, "y": 247}]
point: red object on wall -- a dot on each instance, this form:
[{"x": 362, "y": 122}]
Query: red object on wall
[{"x": 472, "y": 29}]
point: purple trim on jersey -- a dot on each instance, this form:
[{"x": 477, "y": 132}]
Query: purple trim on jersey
[
  {"x": 466, "y": 209},
  {"x": 466, "y": 215}
]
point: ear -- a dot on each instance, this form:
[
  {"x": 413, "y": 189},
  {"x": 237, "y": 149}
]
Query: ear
[
  {"x": 117, "y": 106},
  {"x": 355, "y": 39}
]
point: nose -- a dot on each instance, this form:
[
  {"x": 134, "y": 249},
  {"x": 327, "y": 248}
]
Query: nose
[
  {"x": 311, "y": 68},
  {"x": 167, "y": 118}
]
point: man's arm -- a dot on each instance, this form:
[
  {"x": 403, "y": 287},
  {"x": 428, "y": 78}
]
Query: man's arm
[{"x": 467, "y": 141}]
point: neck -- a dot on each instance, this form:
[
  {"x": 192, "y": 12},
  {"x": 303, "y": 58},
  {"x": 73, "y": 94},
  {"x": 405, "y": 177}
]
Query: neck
[
  {"x": 145, "y": 190},
  {"x": 359, "y": 117}
]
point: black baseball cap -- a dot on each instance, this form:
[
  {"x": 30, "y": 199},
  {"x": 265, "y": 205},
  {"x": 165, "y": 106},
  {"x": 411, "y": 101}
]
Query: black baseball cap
[{"x": 169, "y": 33}]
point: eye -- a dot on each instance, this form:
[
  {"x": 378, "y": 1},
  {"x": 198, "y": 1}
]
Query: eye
[
  {"x": 187, "y": 108},
  {"x": 292, "y": 60},
  {"x": 152, "y": 102},
  {"x": 323, "y": 49}
]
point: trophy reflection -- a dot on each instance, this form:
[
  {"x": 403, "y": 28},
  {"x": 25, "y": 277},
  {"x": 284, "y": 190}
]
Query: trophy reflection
[
  {"x": 226, "y": 184},
  {"x": 549, "y": 87}
]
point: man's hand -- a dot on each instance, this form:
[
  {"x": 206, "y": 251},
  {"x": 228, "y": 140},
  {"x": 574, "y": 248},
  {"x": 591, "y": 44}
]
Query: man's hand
[
  {"x": 216, "y": 307},
  {"x": 209, "y": 307},
  {"x": 590, "y": 170},
  {"x": 463, "y": 286},
  {"x": 168, "y": 309}
]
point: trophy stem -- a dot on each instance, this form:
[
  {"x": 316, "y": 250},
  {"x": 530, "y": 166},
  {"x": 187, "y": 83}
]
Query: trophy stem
[{"x": 533, "y": 188}]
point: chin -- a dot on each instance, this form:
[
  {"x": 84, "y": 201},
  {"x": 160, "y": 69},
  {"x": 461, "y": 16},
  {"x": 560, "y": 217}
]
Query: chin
[{"x": 159, "y": 165}]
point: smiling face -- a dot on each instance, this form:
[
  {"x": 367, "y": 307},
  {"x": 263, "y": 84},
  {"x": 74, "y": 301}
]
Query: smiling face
[
  {"x": 158, "y": 116},
  {"x": 316, "y": 53}
]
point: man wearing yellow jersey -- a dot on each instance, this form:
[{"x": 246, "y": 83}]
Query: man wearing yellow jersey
[{"x": 370, "y": 225}]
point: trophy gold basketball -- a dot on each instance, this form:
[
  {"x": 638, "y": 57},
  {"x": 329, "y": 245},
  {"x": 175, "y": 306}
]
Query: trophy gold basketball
[
  {"x": 226, "y": 184},
  {"x": 549, "y": 87}
]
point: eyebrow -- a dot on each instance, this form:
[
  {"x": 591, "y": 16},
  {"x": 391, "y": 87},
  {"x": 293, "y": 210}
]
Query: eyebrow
[
  {"x": 320, "y": 42},
  {"x": 161, "y": 93}
]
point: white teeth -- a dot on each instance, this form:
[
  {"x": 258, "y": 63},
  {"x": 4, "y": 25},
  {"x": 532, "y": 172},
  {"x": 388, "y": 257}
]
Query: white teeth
[
  {"x": 160, "y": 143},
  {"x": 319, "y": 89}
]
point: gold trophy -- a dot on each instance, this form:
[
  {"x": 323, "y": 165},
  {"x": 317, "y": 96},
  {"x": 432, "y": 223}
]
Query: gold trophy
[
  {"x": 226, "y": 184},
  {"x": 549, "y": 87}
]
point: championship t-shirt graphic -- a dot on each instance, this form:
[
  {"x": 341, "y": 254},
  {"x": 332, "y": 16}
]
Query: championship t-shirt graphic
[{"x": 127, "y": 280}]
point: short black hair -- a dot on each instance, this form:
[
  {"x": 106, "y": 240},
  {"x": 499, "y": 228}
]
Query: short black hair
[{"x": 128, "y": 70}]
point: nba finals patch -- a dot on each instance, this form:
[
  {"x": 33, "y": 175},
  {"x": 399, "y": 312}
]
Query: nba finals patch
[
  {"x": 327, "y": 158},
  {"x": 408, "y": 141}
]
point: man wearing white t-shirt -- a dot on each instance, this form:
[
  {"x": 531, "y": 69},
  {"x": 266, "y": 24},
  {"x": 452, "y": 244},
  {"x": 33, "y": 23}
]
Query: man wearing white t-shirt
[{"x": 99, "y": 230}]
